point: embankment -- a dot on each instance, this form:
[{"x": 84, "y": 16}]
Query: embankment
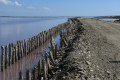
[{"x": 93, "y": 53}]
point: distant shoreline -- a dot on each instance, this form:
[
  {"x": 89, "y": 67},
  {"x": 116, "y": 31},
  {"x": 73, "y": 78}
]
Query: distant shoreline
[{"x": 38, "y": 16}]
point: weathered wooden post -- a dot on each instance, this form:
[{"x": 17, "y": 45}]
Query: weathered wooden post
[
  {"x": 6, "y": 56},
  {"x": 28, "y": 75},
  {"x": 25, "y": 47},
  {"x": 47, "y": 62},
  {"x": 39, "y": 69},
  {"x": 18, "y": 45},
  {"x": 44, "y": 70},
  {"x": 16, "y": 56},
  {"x": 2, "y": 58},
  {"x": 10, "y": 54},
  {"x": 46, "y": 59},
  {"x": 34, "y": 74},
  {"x": 13, "y": 56},
  {"x": 51, "y": 58},
  {"x": 53, "y": 46},
  {"x": 20, "y": 75},
  {"x": 56, "y": 50},
  {"x": 28, "y": 47},
  {"x": 21, "y": 50},
  {"x": 38, "y": 41}
]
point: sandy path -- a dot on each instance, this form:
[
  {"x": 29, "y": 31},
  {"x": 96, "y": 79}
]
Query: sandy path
[
  {"x": 105, "y": 42},
  {"x": 109, "y": 30}
]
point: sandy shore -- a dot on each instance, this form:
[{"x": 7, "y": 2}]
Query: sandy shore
[{"x": 94, "y": 53}]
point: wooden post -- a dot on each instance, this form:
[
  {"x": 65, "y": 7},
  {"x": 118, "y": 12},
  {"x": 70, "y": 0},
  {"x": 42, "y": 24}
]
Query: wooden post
[
  {"x": 2, "y": 58},
  {"x": 25, "y": 47},
  {"x": 6, "y": 56},
  {"x": 61, "y": 40},
  {"x": 20, "y": 75},
  {"x": 34, "y": 74},
  {"x": 28, "y": 75},
  {"x": 51, "y": 58},
  {"x": 21, "y": 50},
  {"x": 53, "y": 46},
  {"x": 38, "y": 41},
  {"x": 47, "y": 62},
  {"x": 16, "y": 56},
  {"x": 39, "y": 69},
  {"x": 28, "y": 47},
  {"x": 46, "y": 59},
  {"x": 56, "y": 50},
  {"x": 10, "y": 54},
  {"x": 13, "y": 56},
  {"x": 44, "y": 70},
  {"x": 18, "y": 45}
]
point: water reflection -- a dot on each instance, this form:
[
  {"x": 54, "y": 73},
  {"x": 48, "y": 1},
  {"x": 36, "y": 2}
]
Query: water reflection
[
  {"x": 24, "y": 28},
  {"x": 5, "y": 31},
  {"x": 20, "y": 29},
  {"x": 11, "y": 73}
]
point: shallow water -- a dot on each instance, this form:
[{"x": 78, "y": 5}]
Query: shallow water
[
  {"x": 13, "y": 29},
  {"x": 105, "y": 19}
]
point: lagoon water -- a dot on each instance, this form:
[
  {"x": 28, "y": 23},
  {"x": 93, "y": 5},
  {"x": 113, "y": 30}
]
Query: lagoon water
[
  {"x": 13, "y": 29},
  {"x": 107, "y": 19}
]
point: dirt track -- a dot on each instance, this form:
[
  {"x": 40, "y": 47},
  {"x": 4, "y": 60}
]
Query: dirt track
[
  {"x": 94, "y": 54},
  {"x": 105, "y": 38}
]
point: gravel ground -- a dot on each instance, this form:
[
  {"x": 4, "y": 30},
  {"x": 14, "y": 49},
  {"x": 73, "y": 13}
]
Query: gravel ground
[{"x": 94, "y": 53}]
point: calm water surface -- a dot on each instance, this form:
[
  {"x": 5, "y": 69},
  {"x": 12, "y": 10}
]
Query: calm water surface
[
  {"x": 13, "y": 29},
  {"x": 105, "y": 19}
]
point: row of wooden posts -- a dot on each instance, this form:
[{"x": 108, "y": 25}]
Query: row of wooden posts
[
  {"x": 11, "y": 53},
  {"x": 48, "y": 62},
  {"x": 44, "y": 65}
]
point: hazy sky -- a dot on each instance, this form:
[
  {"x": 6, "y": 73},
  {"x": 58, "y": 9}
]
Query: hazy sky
[{"x": 59, "y": 7}]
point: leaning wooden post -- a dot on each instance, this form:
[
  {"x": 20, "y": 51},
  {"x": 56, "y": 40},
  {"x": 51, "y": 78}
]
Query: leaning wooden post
[
  {"x": 61, "y": 40},
  {"x": 56, "y": 50},
  {"x": 20, "y": 75},
  {"x": 51, "y": 58},
  {"x": 39, "y": 69},
  {"x": 6, "y": 56},
  {"x": 34, "y": 74},
  {"x": 47, "y": 62},
  {"x": 28, "y": 75},
  {"x": 2, "y": 58}
]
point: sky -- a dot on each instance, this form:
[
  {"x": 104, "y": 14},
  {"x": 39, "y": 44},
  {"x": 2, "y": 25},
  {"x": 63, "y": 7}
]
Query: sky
[{"x": 59, "y": 7}]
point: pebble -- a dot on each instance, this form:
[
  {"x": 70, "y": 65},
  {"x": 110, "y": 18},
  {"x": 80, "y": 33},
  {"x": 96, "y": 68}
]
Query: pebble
[
  {"x": 63, "y": 77},
  {"x": 108, "y": 72},
  {"x": 91, "y": 70},
  {"x": 88, "y": 62}
]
